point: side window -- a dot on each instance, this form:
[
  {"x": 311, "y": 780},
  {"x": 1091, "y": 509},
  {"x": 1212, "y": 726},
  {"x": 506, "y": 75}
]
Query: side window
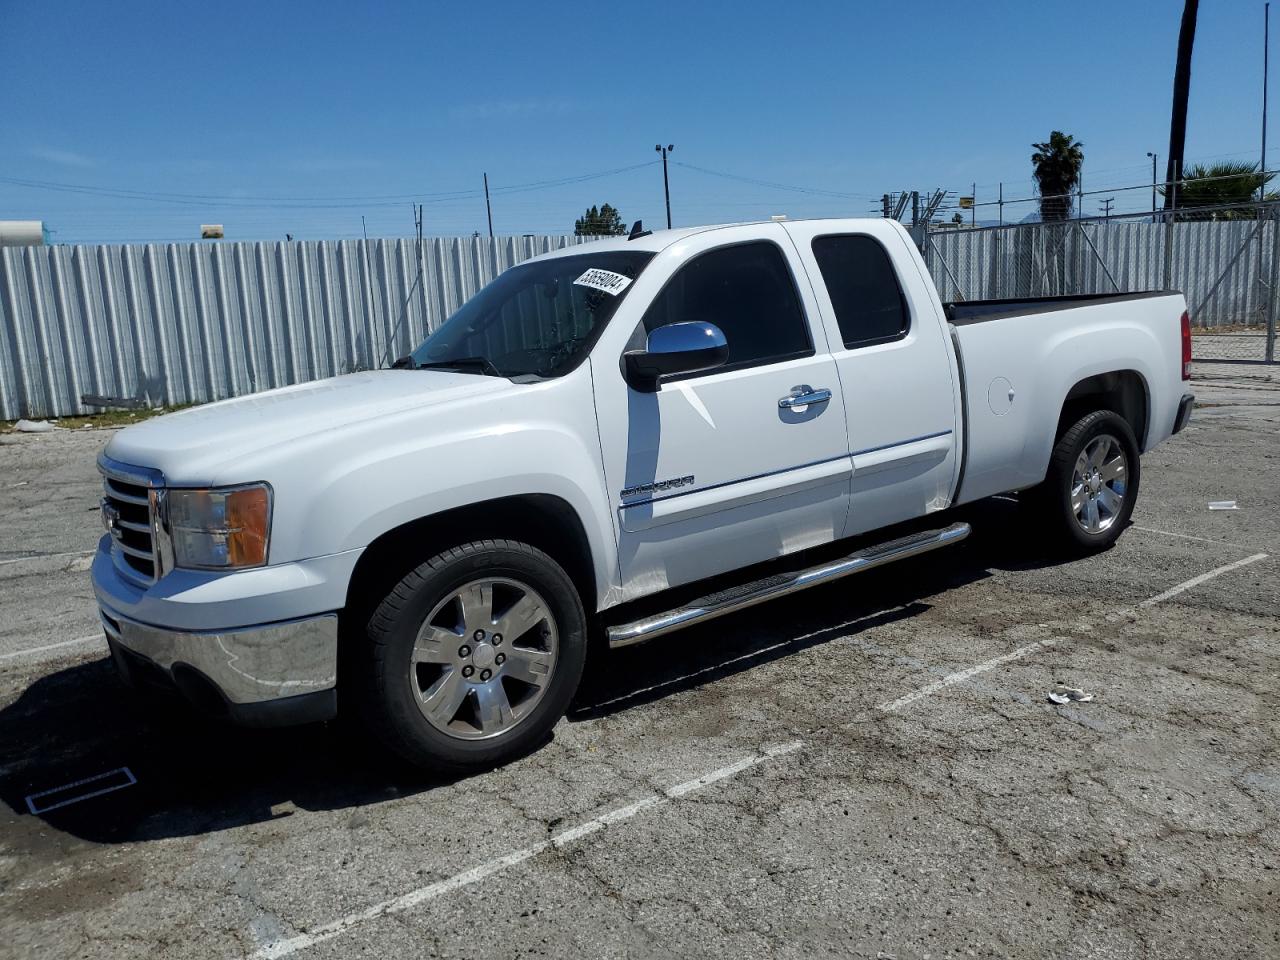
[
  {"x": 864, "y": 290},
  {"x": 748, "y": 292}
]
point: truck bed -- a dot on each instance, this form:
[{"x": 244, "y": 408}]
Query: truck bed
[
  {"x": 961, "y": 312},
  {"x": 1017, "y": 367}
]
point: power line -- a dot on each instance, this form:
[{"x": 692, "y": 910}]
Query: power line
[
  {"x": 774, "y": 184},
  {"x": 310, "y": 203},
  {"x": 1139, "y": 186}
]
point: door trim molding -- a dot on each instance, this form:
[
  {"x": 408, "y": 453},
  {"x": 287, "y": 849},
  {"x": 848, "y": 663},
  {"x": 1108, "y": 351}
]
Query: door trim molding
[
  {"x": 646, "y": 514},
  {"x": 729, "y": 483},
  {"x": 901, "y": 443}
]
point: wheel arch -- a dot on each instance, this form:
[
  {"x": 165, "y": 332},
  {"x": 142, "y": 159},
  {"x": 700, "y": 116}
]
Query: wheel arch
[
  {"x": 1124, "y": 392},
  {"x": 544, "y": 521}
]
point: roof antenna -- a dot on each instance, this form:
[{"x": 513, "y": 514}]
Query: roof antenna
[{"x": 638, "y": 231}]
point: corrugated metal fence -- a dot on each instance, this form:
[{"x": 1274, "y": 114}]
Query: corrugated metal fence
[
  {"x": 188, "y": 323},
  {"x": 1223, "y": 267},
  {"x": 1228, "y": 268}
]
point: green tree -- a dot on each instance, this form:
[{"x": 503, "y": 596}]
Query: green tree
[
  {"x": 602, "y": 222},
  {"x": 1056, "y": 168},
  {"x": 1232, "y": 182}
]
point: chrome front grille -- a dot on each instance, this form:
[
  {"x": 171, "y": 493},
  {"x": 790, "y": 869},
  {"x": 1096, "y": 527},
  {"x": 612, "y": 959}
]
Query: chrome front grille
[{"x": 129, "y": 505}]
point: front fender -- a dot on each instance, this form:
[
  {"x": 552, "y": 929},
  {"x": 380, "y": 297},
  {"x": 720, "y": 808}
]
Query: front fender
[{"x": 344, "y": 492}]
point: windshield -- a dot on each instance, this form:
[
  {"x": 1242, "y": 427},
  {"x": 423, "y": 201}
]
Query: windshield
[{"x": 536, "y": 319}]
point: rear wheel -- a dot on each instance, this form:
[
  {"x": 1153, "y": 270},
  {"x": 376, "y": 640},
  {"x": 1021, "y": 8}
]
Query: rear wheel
[
  {"x": 474, "y": 656},
  {"x": 1092, "y": 482}
]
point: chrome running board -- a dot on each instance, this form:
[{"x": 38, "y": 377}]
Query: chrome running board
[{"x": 779, "y": 585}]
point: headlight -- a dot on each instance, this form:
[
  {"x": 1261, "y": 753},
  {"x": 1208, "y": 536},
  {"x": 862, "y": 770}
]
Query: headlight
[{"x": 222, "y": 528}]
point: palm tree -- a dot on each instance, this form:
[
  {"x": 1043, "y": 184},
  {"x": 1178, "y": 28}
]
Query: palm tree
[
  {"x": 1181, "y": 93},
  {"x": 1057, "y": 164},
  {"x": 1231, "y": 183}
]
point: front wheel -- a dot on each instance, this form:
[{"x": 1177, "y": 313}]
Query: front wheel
[
  {"x": 473, "y": 657},
  {"x": 1092, "y": 483}
]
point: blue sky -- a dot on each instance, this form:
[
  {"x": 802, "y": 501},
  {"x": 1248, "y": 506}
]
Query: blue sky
[{"x": 308, "y": 116}]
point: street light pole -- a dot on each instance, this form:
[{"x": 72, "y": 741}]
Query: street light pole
[
  {"x": 666, "y": 184},
  {"x": 1153, "y": 184}
]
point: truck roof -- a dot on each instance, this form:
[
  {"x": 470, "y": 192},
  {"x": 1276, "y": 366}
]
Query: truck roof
[{"x": 661, "y": 239}]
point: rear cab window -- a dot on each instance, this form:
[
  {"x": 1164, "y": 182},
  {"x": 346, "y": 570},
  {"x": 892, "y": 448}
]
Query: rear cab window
[
  {"x": 868, "y": 301},
  {"x": 749, "y": 292}
]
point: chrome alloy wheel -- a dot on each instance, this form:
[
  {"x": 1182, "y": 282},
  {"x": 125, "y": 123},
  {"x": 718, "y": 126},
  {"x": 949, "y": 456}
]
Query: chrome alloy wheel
[
  {"x": 1098, "y": 483},
  {"x": 484, "y": 658}
]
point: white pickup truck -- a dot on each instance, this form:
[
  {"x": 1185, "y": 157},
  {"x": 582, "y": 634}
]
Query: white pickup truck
[{"x": 595, "y": 431}]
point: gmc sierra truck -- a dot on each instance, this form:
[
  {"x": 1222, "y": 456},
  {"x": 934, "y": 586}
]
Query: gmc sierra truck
[{"x": 595, "y": 439}]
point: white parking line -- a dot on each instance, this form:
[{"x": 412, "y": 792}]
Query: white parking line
[
  {"x": 1196, "y": 581},
  {"x": 52, "y": 646},
  {"x": 283, "y": 948},
  {"x": 47, "y": 556},
  {"x": 1187, "y": 536},
  {"x": 328, "y": 931},
  {"x": 961, "y": 676}
]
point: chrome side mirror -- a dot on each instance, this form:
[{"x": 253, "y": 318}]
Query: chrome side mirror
[{"x": 675, "y": 348}]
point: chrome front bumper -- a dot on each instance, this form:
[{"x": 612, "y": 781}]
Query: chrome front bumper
[{"x": 273, "y": 674}]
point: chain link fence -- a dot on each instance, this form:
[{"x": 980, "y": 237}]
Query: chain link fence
[{"x": 1224, "y": 259}]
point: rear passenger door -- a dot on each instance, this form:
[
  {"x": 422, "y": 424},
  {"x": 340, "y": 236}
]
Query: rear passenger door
[{"x": 890, "y": 349}]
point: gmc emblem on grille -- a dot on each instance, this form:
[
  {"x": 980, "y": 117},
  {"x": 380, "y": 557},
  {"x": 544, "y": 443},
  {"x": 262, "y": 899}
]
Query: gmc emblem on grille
[{"x": 111, "y": 518}]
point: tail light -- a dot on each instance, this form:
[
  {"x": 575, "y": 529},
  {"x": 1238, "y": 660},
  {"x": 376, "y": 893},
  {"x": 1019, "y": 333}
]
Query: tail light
[{"x": 1186, "y": 345}]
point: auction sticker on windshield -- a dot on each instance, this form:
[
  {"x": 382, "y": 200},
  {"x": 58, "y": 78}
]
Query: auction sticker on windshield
[{"x": 606, "y": 280}]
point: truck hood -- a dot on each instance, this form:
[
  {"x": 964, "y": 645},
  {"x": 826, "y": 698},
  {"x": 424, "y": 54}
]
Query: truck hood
[{"x": 200, "y": 445}]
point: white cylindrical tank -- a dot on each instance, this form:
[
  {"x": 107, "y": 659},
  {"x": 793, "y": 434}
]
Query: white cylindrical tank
[{"x": 21, "y": 233}]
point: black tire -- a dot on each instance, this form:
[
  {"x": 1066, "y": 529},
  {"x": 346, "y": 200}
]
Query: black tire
[
  {"x": 1053, "y": 500},
  {"x": 393, "y": 690}
]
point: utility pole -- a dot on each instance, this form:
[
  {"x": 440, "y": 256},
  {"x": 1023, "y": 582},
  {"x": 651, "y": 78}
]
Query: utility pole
[
  {"x": 973, "y": 210},
  {"x": 488, "y": 209},
  {"x": 1266, "y": 31},
  {"x": 1181, "y": 94},
  {"x": 1106, "y": 206},
  {"x": 1000, "y": 203},
  {"x": 1153, "y": 183},
  {"x": 666, "y": 184},
  {"x": 884, "y": 206}
]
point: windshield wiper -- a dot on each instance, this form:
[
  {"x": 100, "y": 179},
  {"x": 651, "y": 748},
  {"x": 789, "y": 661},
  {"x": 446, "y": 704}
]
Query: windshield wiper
[{"x": 483, "y": 364}]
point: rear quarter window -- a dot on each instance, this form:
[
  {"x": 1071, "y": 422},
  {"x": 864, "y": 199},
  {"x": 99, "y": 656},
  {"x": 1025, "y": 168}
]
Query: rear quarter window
[{"x": 868, "y": 301}]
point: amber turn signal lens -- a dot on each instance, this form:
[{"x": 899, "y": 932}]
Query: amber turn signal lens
[{"x": 248, "y": 518}]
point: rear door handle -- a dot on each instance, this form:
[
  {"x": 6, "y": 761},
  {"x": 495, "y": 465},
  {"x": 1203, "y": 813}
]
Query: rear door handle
[{"x": 802, "y": 396}]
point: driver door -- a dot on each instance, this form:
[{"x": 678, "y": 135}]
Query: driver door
[{"x": 720, "y": 469}]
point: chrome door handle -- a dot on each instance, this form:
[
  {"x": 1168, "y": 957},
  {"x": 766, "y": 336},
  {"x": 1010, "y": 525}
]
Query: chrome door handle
[{"x": 803, "y": 396}]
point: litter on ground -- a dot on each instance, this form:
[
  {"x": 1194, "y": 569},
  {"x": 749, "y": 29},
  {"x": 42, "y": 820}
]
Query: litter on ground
[
  {"x": 1064, "y": 694},
  {"x": 34, "y": 426}
]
